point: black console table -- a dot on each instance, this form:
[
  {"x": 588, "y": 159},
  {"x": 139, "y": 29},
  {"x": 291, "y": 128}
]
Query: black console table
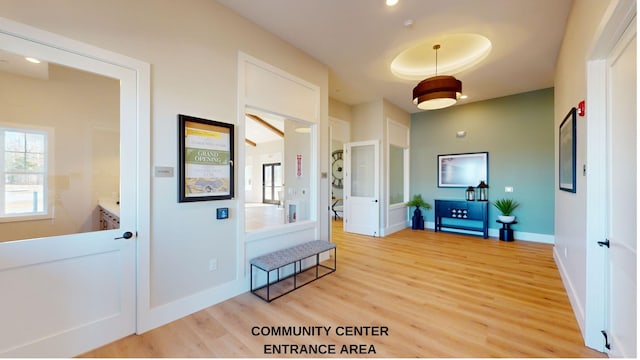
[{"x": 476, "y": 211}]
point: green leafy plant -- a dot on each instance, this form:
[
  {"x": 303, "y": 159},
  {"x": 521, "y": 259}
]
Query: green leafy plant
[
  {"x": 418, "y": 202},
  {"x": 506, "y": 206}
]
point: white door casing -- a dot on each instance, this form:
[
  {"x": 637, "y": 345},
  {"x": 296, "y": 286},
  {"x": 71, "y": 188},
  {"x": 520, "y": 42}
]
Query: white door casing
[
  {"x": 339, "y": 132},
  {"x": 594, "y": 317},
  {"x": 362, "y": 188},
  {"x": 622, "y": 195},
  {"x": 64, "y": 295}
]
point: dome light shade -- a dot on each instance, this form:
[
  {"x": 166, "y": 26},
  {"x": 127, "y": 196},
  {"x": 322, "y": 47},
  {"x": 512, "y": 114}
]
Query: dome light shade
[{"x": 437, "y": 92}]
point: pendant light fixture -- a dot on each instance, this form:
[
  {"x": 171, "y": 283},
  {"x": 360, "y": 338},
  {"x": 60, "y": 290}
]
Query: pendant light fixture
[{"x": 437, "y": 92}]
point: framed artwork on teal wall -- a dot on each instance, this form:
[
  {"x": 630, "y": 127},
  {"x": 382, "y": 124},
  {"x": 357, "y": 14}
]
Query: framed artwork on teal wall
[
  {"x": 567, "y": 153},
  {"x": 463, "y": 170}
]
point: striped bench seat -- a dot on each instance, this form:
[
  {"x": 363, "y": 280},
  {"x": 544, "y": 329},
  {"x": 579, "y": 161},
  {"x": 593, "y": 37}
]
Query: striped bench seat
[{"x": 280, "y": 260}]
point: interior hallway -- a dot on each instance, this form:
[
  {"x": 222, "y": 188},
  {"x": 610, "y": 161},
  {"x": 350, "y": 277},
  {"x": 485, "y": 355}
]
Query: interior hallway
[{"x": 440, "y": 295}]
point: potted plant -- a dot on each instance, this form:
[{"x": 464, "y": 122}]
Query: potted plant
[
  {"x": 417, "y": 221},
  {"x": 506, "y": 207}
]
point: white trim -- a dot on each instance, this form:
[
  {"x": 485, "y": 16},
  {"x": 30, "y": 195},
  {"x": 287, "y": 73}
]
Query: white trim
[
  {"x": 595, "y": 210},
  {"x": 527, "y": 236},
  {"x": 593, "y": 318},
  {"x": 495, "y": 233},
  {"x": 180, "y": 308},
  {"x": 574, "y": 299},
  {"x": 342, "y": 136},
  {"x": 144, "y": 315},
  {"x": 284, "y": 229},
  {"x": 387, "y": 227},
  {"x": 339, "y": 130},
  {"x": 277, "y": 234}
]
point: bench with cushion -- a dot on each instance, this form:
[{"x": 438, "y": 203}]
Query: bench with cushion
[{"x": 281, "y": 259}]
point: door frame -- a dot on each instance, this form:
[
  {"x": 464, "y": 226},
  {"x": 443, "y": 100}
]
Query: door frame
[
  {"x": 616, "y": 20},
  {"x": 617, "y": 300},
  {"x": 339, "y": 130},
  {"x": 272, "y": 167},
  {"x": 142, "y": 138}
]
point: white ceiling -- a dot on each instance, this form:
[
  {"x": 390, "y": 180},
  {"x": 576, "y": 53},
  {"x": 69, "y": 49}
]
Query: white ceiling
[
  {"x": 358, "y": 39},
  {"x": 257, "y": 132},
  {"x": 17, "y": 64}
]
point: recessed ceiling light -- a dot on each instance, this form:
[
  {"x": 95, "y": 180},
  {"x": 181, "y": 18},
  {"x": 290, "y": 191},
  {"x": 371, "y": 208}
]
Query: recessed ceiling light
[
  {"x": 32, "y": 60},
  {"x": 392, "y": 2},
  {"x": 463, "y": 51}
]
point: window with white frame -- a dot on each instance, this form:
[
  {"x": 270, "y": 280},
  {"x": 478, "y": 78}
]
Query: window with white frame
[{"x": 23, "y": 167}]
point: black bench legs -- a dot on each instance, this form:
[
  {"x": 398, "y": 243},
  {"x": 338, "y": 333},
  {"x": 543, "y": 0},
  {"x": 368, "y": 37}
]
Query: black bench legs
[{"x": 297, "y": 272}]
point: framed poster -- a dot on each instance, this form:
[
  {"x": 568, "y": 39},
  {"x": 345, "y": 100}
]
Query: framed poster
[
  {"x": 205, "y": 152},
  {"x": 567, "y": 153},
  {"x": 463, "y": 170}
]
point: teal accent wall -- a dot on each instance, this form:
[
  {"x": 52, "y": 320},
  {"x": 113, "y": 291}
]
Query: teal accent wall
[{"x": 518, "y": 133}]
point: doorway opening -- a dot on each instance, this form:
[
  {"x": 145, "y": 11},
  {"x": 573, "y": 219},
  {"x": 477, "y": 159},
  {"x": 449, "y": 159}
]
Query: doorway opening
[{"x": 271, "y": 183}]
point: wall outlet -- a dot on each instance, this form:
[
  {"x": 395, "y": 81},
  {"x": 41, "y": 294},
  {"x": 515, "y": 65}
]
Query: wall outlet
[
  {"x": 213, "y": 264},
  {"x": 508, "y": 189}
]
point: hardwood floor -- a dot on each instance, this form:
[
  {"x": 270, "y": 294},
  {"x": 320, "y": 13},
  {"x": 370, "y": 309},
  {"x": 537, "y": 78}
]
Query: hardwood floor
[
  {"x": 437, "y": 294},
  {"x": 260, "y": 216}
]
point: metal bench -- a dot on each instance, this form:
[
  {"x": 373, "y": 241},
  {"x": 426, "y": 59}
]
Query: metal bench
[{"x": 279, "y": 260}]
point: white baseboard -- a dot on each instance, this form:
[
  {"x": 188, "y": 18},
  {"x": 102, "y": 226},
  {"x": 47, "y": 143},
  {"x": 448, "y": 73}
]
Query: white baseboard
[
  {"x": 166, "y": 313},
  {"x": 527, "y": 236},
  {"x": 393, "y": 228},
  {"x": 574, "y": 299},
  {"x": 518, "y": 235}
]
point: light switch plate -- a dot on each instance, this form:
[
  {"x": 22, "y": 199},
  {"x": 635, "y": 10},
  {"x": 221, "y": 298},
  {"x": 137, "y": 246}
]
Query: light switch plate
[{"x": 222, "y": 213}]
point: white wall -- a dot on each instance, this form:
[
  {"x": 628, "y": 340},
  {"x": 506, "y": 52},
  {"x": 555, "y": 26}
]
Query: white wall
[
  {"x": 298, "y": 185},
  {"x": 369, "y": 122},
  {"x": 570, "y": 209},
  {"x": 193, "y": 48}
]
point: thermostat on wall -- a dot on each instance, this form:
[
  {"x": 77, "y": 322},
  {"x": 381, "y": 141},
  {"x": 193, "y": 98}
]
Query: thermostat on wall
[{"x": 222, "y": 213}]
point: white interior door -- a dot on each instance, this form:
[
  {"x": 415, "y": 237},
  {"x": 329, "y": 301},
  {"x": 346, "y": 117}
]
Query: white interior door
[
  {"x": 67, "y": 285},
  {"x": 622, "y": 229},
  {"x": 362, "y": 188}
]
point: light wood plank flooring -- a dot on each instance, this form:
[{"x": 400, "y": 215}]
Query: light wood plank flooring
[{"x": 439, "y": 295}]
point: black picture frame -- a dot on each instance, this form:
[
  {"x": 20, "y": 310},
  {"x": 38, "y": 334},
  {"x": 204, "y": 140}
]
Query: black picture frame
[
  {"x": 205, "y": 156},
  {"x": 567, "y": 152},
  {"x": 463, "y": 170}
]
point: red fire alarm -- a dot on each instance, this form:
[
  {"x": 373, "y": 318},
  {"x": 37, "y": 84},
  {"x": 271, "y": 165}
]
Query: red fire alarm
[{"x": 581, "y": 107}]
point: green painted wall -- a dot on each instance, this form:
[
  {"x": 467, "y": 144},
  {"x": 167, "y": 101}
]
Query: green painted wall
[{"x": 516, "y": 130}]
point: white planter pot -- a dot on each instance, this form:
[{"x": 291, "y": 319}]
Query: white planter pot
[{"x": 506, "y": 219}]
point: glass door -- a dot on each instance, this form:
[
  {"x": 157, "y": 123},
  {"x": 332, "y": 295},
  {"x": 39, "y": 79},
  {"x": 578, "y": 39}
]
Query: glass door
[{"x": 271, "y": 183}]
